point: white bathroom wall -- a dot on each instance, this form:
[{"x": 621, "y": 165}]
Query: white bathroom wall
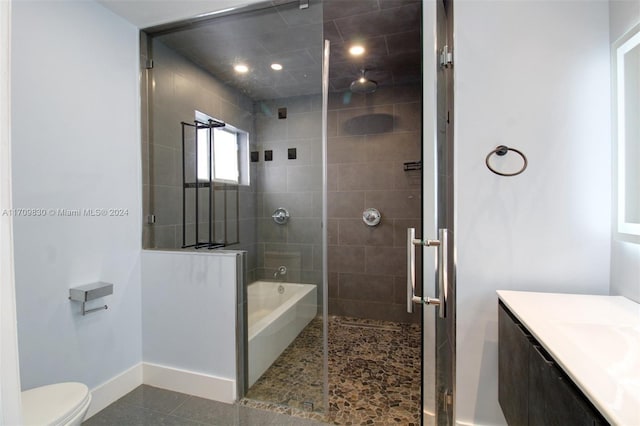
[
  {"x": 533, "y": 75},
  {"x": 189, "y": 321},
  {"x": 76, "y": 145},
  {"x": 625, "y": 255},
  {"x": 10, "y": 412}
]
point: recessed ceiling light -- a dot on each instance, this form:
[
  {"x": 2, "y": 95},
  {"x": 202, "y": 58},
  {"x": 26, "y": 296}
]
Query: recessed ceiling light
[
  {"x": 356, "y": 50},
  {"x": 241, "y": 68},
  {"x": 276, "y": 67}
]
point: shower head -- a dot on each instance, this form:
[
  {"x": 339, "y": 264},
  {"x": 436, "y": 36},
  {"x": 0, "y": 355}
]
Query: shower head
[{"x": 363, "y": 84}]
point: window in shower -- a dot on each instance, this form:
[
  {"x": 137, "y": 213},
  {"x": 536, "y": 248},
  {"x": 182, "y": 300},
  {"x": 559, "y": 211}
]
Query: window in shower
[{"x": 229, "y": 153}]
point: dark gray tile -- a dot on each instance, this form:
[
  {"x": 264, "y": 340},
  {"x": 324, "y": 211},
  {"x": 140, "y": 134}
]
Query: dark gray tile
[
  {"x": 367, "y": 176},
  {"x": 332, "y": 231},
  {"x": 338, "y": 101},
  {"x": 354, "y": 232},
  {"x": 406, "y": 179},
  {"x": 305, "y": 126},
  {"x": 396, "y": 204},
  {"x": 399, "y": 147},
  {"x": 340, "y": 8},
  {"x": 407, "y": 117},
  {"x": 272, "y": 179},
  {"x": 346, "y": 259},
  {"x": 385, "y": 260},
  {"x": 303, "y": 230},
  {"x": 153, "y": 398},
  {"x": 395, "y": 94},
  {"x": 304, "y": 178},
  {"x": 332, "y": 122},
  {"x": 332, "y": 177},
  {"x": 271, "y": 232},
  {"x": 298, "y": 204},
  {"x": 379, "y": 22},
  {"x": 378, "y": 288},
  {"x": 164, "y": 236},
  {"x": 332, "y": 277},
  {"x": 129, "y": 415},
  {"x": 345, "y": 204},
  {"x": 166, "y": 202},
  {"x": 119, "y": 414},
  {"x": 303, "y": 253},
  {"x": 207, "y": 411},
  {"x": 365, "y": 121},
  {"x": 404, "y": 42}
]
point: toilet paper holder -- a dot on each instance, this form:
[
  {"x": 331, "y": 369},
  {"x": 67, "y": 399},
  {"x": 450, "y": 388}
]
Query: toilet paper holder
[{"x": 87, "y": 292}]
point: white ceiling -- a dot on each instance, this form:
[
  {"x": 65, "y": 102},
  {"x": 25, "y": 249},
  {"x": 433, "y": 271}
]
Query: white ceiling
[{"x": 147, "y": 13}]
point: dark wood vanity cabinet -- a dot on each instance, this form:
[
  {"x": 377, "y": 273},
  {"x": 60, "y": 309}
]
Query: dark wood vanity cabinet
[
  {"x": 513, "y": 370},
  {"x": 532, "y": 389}
]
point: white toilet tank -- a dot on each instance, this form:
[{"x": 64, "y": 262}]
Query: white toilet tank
[{"x": 60, "y": 404}]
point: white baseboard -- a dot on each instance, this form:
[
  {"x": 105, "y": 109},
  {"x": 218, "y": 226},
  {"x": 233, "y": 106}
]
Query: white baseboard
[
  {"x": 189, "y": 382},
  {"x": 110, "y": 391}
]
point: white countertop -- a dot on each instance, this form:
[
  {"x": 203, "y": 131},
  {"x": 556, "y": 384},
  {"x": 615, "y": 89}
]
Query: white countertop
[{"x": 596, "y": 341}]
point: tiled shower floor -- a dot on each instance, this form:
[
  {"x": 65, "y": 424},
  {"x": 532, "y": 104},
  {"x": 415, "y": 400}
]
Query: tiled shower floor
[{"x": 374, "y": 374}]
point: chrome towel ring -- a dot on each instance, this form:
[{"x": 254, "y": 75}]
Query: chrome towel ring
[{"x": 502, "y": 150}]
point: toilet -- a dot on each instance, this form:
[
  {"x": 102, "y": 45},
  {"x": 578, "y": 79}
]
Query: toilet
[{"x": 60, "y": 404}]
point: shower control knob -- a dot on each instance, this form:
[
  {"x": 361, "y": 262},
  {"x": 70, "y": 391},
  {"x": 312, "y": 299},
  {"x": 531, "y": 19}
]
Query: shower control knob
[
  {"x": 371, "y": 217},
  {"x": 280, "y": 216}
]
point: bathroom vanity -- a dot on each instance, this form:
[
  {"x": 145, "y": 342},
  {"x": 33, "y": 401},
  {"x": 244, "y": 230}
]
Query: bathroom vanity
[{"x": 568, "y": 359}]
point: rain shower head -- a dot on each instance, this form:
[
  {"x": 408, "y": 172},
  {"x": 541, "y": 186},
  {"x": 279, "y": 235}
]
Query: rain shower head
[{"x": 363, "y": 84}]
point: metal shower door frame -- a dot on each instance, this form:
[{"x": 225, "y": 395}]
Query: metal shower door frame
[{"x": 439, "y": 330}]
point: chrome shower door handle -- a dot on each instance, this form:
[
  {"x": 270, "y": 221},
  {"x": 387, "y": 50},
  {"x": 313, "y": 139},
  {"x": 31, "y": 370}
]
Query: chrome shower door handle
[
  {"x": 411, "y": 270},
  {"x": 443, "y": 271},
  {"x": 443, "y": 276}
]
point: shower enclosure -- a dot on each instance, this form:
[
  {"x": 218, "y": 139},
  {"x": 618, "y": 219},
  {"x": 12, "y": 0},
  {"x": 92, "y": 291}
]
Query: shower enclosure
[
  {"x": 292, "y": 131},
  {"x": 235, "y": 162}
]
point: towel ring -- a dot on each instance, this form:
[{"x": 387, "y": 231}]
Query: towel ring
[{"x": 502, "y": 150}]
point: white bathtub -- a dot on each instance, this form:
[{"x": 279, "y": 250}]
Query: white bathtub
[{"x": 275, "y": 320}]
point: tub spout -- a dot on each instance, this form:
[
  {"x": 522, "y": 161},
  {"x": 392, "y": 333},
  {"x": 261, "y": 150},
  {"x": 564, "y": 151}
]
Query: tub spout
[{"x": 282, "y": 271}]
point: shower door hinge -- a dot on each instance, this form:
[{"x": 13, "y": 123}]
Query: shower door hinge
[
  {"x": 304, "y": 4},
  {"x": 447, "y": 404},
  {"x": 148, "y": 64},
  {"x": 151, "y": 219},
  {"x": 446, "y": 57},
  {"x": 448, "y": 397}
]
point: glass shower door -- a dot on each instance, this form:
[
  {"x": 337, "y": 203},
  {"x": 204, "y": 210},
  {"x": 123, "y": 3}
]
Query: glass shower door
[{"x": 256, "y": 74}]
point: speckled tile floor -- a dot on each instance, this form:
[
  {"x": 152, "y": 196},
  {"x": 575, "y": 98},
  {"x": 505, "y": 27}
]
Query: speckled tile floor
[
  {"x": 374, "y": 374},
  {"x": 149, "y": 406}
]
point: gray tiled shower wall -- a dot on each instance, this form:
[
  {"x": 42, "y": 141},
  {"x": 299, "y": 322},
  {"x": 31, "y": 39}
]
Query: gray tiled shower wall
[
  {"x": 369, "y": 138},
  {"x": 182, "y": 87},
  {"x": 293, "y": 184},
  {"x": 179, "y": 88}
]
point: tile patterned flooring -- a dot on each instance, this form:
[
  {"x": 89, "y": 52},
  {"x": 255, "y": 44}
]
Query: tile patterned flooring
[
  {"x": 374, "y": 374},
  {"x": 374, "y": 379}
]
